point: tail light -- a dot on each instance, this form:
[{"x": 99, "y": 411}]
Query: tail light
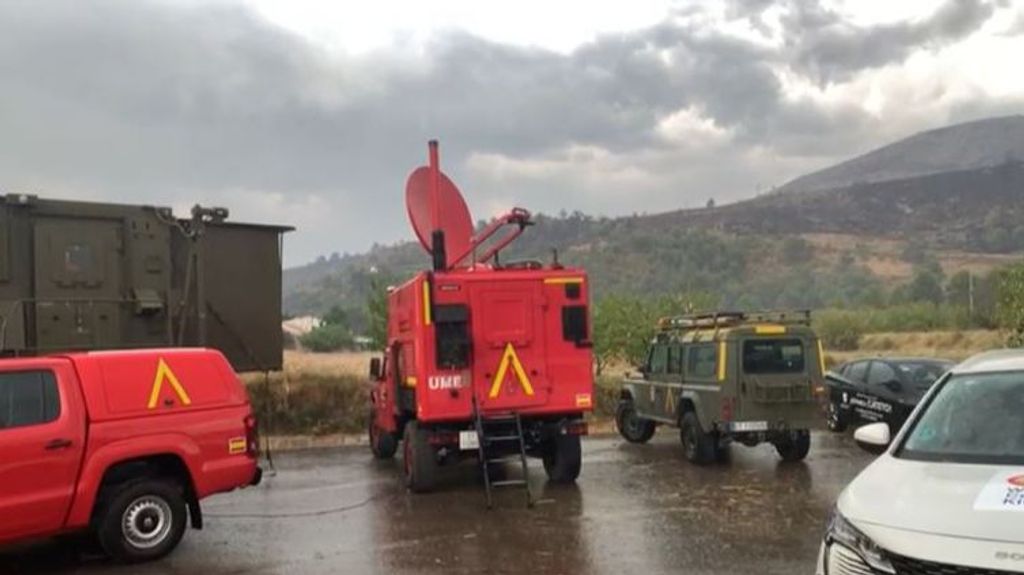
[
  {"x": 728, "y": 409},
  {"x": 252, "y": 435}
]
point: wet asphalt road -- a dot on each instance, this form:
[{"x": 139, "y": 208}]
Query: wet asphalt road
[{"x": 635, "y": 509}]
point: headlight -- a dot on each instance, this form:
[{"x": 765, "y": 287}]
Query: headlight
[{"x": 841, "y": 531}]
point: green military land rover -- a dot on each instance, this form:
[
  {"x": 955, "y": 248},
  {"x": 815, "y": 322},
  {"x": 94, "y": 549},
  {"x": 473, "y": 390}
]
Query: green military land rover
[{"x": 729, "y": 376}]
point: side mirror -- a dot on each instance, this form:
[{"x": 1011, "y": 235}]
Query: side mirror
[
  {"x": 375, "y": 368},
  {"x": 873, "y": 438}
]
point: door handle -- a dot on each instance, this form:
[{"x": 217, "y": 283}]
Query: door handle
[{"x": 54, "y": 444}]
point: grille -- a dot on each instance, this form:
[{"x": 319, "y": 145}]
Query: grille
[
  {"x": 908, "y": 566},
  {"x": 842, "y": 561}
]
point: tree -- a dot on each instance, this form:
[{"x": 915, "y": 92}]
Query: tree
[
  {"x": 926, "y": 286},
  {"x": 328, "y": 337},
  {"x": 1010, "y": 303},
  {"x": 377, "y": 312},
  {"x": 625, "y": 325}
]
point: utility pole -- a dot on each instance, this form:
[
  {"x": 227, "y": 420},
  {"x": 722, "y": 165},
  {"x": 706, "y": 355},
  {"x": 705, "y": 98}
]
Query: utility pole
[{"x": 970, "y": 294}]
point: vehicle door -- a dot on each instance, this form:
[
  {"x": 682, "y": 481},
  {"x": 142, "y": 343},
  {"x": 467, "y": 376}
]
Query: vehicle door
[
  {"x": 703, "y": 379},
  {"x": 873, "y": 399},
  {"x": 889, "y": 391},
  {"x": 850, "y": 382},
  {"x": 42, "y": 432},
  {"x": 649, "y": 400}
]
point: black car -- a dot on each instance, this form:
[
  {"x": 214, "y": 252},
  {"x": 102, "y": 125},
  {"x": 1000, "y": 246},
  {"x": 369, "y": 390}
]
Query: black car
[{"x": 879, "y": 389}]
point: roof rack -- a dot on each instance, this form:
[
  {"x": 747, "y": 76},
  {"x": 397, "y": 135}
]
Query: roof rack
[{"x": 718, "y": 319}]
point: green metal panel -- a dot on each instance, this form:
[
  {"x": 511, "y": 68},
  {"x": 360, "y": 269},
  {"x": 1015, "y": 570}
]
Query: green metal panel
[{"x": 79, "y": 275}]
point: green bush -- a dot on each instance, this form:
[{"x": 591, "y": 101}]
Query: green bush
[
  {"x": 838, "y": 330},
  {"x": 315, "y": 405},
  {"x": 328, "y": 337}
]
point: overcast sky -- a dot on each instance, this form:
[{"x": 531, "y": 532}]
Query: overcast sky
[{"x": 313, "y": 113}]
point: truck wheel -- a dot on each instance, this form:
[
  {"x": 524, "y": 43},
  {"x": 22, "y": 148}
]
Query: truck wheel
[
  {"x": 142, "y": 521},
  {"x": 835, "y": 418},
  {"x": 698, "y": 446},
  {"x": 795, "y": 446},
  {"x": 383, "y": 444},
  {"x": 419, "y": 459},
  {"x": 632, "y": 427},
  {"x": 563, "y": 458}
]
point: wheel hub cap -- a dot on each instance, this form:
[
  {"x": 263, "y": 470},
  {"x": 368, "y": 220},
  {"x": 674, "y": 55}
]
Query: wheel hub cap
[{"x": 146, "y": 522}]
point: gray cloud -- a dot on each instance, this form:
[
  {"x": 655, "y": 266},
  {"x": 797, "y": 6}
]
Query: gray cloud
[
  {"x": 832, "y": 49},
  {"x": 147, "y": 102}
]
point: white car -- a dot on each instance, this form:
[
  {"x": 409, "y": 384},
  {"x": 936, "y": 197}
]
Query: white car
[{"x": 946, "y": 496}]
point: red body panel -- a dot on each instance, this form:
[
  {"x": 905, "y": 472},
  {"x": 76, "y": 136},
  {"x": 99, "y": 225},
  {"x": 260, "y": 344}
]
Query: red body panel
[
  {"x": 516, "y": 333},
  {"x": 119, "y": 406}
]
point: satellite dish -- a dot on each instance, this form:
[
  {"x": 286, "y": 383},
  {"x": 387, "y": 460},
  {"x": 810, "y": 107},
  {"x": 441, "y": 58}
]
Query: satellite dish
[{"x": 451, "y": 211}]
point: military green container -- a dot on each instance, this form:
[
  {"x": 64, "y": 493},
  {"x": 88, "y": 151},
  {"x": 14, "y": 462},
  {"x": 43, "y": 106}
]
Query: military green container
[
  {"x": 729, "y": 377},
  {"x": 80, "y": 275}
]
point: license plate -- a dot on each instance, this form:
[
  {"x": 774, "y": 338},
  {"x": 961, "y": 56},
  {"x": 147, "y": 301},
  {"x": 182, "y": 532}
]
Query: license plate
[
  {"x": 468, "y": 440},
  {"x": 750, "y": 426}
]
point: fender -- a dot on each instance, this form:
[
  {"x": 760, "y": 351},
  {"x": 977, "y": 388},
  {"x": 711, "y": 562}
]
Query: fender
[
  {"x": 99, "y": 461},
  {"x": 628, "y": 391},
  {"x": 694, "y": 398}
]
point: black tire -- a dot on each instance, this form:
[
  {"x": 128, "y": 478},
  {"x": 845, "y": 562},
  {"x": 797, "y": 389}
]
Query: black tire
[
  {"x": 834, "y": 418},
  {"x": 419, "y": 459},
  {"x": 632, "y": 427},
  {"x": 723, "y": 453},
  {"x": 383, "y": 444},
  {"x": 795, "y": 446},
  {"x": 698, "y": 446},
  {"x": 563, "y": 458},
  {"x": 142, "y": 521}
]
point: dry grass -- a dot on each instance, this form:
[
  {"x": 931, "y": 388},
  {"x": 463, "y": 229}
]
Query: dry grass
[
  {"x": 954, "y": 345},
  {"x": 317, "y": 393},
  {"x": 298, "y": 364}
]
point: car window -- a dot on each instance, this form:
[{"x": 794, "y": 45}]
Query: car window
[
  {"x": 972, "y": 418},
  {"x": 775, "y": 355},
  {"x": 675, "y": 359},
  {"x": 920, "y": 375},
  {"x": 658, "y": 362},
  {"x": 857, "y": 371},
  {"x": 702, "y": 361},
  {"x": 28, "y": 398},
  {"x": 881, "y": 373}
]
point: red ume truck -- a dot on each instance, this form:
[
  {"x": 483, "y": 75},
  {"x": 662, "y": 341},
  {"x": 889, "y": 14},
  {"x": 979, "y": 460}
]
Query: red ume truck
[{"x": 120, "y": 443}]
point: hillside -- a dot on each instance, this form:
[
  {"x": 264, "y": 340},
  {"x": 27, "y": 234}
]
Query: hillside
[
  {"x": 802, "y": 246},
  {"x": 961, "y": 147}
]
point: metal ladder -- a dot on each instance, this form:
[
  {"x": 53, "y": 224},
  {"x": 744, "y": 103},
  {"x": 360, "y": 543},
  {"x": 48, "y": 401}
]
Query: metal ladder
[{"x": 497, "y": 429}]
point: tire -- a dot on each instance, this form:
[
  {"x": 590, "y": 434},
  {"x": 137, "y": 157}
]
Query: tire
[
  {"x": 632, "y": 427},
  {"x": 834, "y": 418},
  {"x": 795, "y": 446},
  {"x": 142, "y": 521},
  {"x": 698, "y": 446},
  {"x": 563, "y": 458},
  {"x": 383, "y": 444},
  {"x": 419, "y": 459}
]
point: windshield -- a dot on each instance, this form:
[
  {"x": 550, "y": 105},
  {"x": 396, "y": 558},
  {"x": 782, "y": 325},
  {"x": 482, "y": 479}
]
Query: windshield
[
  {"x": 973, "y": 418},
  {"x": 782, "y": 355}
]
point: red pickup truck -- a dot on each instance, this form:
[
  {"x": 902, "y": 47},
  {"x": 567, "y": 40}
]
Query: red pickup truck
[{"x": 120, "y": 443}]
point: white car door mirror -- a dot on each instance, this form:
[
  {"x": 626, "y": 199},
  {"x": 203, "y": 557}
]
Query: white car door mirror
[{"x": 873, "y": 438}]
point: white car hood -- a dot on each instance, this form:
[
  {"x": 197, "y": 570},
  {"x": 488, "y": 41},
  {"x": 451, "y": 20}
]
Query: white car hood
[{"x": 958, "y": 500}]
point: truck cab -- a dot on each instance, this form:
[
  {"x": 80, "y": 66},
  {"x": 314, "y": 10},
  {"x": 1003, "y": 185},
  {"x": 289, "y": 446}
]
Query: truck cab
[{"x": 725, "y": 377}]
